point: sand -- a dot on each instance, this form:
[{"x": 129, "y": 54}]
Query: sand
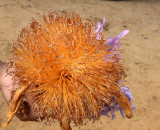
[{"x": 141, "y": 51}]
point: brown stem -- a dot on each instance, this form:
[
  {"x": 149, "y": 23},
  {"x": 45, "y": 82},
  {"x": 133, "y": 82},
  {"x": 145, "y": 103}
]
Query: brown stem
[
  {"x": 15, "y": 103},
  {"x": 65, "y": 124}
]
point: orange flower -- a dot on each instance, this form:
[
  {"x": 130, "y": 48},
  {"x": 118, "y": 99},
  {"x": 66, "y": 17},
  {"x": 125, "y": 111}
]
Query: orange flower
[{"x": 61, "y": 64}]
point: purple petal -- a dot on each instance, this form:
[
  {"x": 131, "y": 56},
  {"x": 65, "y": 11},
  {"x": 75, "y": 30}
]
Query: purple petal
[
  {"x": 98, "y": 36},
  {"x": 133, "y": 108},
  {"x": 113, "y": 113},
  {"x": 104, "y": 21},
  {"x": 127, "y": 92},
  {"x": 123, "y": 33},
  {"x": 117, "y": 107},
  {"x": 112, "y": 40},
  {"x": 106, "y": 111},
  {"x": 122, "y": 113},
  {"x": 106, "y": 114},
  {"x": 123, "y": 89},
  {"x": 114, "y": 43},
  {"x": 99, "y": 28}
]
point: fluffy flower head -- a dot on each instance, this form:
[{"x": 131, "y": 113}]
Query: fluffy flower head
[{"x": 65, "y": 68}]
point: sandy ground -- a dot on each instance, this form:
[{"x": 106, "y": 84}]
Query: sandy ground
[{"x": 141, "y": 53}]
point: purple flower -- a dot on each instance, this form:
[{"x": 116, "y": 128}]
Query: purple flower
[
  {"x": 114, "y": 43},
  {"x": 99, "y": 28},
  {"x": 106, "y": 111},
  {"x": 109, "y": 111}
]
